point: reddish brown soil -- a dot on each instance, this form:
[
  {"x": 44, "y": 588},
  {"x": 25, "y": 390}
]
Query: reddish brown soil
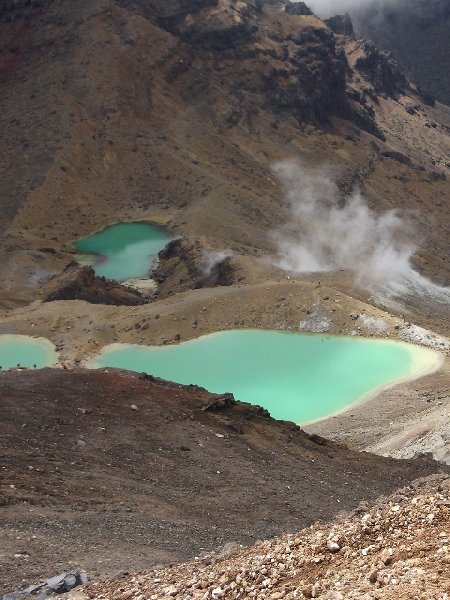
[{"x": 89, "y": 482}]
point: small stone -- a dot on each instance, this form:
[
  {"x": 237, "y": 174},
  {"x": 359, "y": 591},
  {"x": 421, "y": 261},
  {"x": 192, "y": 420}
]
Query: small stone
[
  {"x": 373, "y": 577},
  {"x": 172, "y": 590},
  {"x": 133, "y": 407},
  {"x": 333, "y": 546}
]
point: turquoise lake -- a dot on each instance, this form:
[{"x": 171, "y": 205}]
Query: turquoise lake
[
  {"x": 26, "y": 351},
  {"x": 297, "y": 377},
  {"x": 123, "y": 251}
]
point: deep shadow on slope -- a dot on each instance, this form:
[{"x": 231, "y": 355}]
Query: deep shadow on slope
[
  {"x": 91, "y": 482},
  {"x": 416, "y": 32}
]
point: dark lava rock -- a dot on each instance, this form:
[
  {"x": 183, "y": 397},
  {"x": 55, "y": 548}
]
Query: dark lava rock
[
  {"x": 317, "y": 439},
  {"x": 364, "y": 118},
  {"x": 397, "y": 156},
  {"x": 219, "y": 402},
  {"x": 382, "y": 70},
  {"x": 78, "y": 282},
  {"x": 340, "y": 24},
  {"x": 235, "y": 426},
  {"x": 185, "y": 265},
  {"x": 60, "y": 584},
  {"x": 297, "y": 8}
]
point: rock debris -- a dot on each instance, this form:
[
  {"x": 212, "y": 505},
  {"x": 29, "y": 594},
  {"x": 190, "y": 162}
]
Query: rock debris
[{"x": 399, "y": 548}]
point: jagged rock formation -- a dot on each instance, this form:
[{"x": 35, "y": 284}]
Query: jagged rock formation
[
  {"x": 295, "y": 67},
  {"x": 417, "y": 33},
  {"x": 381, "y": 70},
  {"x": 80, "y": 283},
  {"x": 184, "y": 265},
  {"x": 340, "y": 24},
  {"x": 297, "y": 8}
]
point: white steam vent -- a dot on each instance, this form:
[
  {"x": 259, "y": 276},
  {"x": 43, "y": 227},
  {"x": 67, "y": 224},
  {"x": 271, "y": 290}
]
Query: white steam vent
[
  {"x": 327, "y": 233},
  {"x": 212, "y": 259}
]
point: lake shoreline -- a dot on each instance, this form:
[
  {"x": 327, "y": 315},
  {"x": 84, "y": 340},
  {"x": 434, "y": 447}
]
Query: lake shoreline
[{"x": 289, "y": 390}]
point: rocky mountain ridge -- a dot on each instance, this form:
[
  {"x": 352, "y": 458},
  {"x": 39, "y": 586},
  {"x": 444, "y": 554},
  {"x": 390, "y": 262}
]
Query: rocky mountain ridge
[{"x": 417, "y": 33}]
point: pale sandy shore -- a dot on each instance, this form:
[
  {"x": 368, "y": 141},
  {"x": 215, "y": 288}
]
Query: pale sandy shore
[{"x": 402, "y": 421}]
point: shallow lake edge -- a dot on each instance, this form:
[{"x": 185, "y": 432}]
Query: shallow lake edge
[
  {"x": 419, "y": 367},
  {"x": 43, "y": 341}
]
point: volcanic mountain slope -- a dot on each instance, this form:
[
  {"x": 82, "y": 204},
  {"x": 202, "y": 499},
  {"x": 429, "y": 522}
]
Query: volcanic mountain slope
[
  {"x": 111, "y": 471},
  {"x": 417, "y": 33},
  {"x": 175, "y": 112},
  {"x": 399, "y": 548}
]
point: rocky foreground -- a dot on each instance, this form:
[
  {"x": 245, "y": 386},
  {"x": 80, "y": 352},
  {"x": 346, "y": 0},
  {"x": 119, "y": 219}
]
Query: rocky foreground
[
  {"x": 399, "y": 548},
  {"x": 106, "y": 471}
]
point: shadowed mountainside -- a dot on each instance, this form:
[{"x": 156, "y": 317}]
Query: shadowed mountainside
[{"x": 417, "y": 33}]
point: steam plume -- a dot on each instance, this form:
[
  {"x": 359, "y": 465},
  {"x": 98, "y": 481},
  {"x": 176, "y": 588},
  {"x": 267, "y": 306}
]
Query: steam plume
[
  {"x": 212, "y": 259},
  {"x": 328, "y": 234}
]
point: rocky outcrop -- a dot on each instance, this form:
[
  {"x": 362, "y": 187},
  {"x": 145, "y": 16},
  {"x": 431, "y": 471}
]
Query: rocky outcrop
[
  {"x": 59, "y": 584},
  {"x": 311, "y": 82},
  {"x": 340, "y": 24},
  {"x": 80, "y": 283},
  {"x": 381, "y": 69},
  {"x": 291, "y": 67},
  {"x": 363, "y": 115},
  {"x": 297, "y": 8},
  {"x": 185, "y": 265},
  {"x": 219, "y": 27},
  {"x": 416, "y": 32}
]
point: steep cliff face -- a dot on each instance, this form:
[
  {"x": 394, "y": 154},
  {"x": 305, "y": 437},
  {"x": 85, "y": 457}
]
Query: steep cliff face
[
  {"x": 285, "y": 58},
  {"x": 417, "y": 33}
]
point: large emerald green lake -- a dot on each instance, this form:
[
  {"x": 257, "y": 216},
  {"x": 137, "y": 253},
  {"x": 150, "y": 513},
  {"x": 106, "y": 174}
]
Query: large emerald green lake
[
  {"x": 26, "y": 351},
  {"x": 297, "y": 377},
  {"x": 123, "y": 251}
]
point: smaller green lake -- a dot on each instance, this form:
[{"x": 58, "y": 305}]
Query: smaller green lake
[
  {"x": 26, "y": 351},
  {"x": 297, "y": 377},
  {"x": 123, "y": 251}
]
